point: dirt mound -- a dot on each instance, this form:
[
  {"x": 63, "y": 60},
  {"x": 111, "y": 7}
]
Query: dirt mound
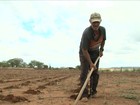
[
  {"x": 0, "y": 90},
  {"x": 41, "y": 87},
  {"x": 31, "y": 91},
  {"x": 25, "y": 83},
  {"x": 12, "y": 87},
  {"x": 74, "y": 96},
  {"x": 1, "y": 81},
  {"x": 77, "y": 90},
  {"x": 13, "y": 99}
]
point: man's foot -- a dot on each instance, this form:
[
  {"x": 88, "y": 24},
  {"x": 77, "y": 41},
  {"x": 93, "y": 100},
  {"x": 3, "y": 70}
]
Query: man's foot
[
  {"x": 84, "y": 97},
  {"x": 93, "y": 94}
]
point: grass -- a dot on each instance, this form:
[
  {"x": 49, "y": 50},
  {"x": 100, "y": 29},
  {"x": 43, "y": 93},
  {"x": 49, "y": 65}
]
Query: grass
[{"x": 129, "y": 96}]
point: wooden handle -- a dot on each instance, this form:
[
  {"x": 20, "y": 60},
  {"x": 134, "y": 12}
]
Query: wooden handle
[{"x": 85, "y": 83}]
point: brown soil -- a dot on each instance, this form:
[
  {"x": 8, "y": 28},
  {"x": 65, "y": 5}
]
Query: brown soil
[{"x": 57, "y": 87}]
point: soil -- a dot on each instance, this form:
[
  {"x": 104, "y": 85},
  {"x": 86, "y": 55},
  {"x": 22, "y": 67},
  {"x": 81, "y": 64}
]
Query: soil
[{"x": 56, "y": 87}]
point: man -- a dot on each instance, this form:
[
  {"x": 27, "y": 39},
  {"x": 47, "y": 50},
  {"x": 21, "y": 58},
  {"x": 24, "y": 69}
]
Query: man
[{"x": 91, "y": 46}]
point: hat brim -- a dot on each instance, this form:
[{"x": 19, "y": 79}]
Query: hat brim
[{"x": 95, "y": 20}]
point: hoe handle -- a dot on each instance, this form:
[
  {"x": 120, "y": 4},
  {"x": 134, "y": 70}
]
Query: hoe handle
[{"x": 85, "y": 83}]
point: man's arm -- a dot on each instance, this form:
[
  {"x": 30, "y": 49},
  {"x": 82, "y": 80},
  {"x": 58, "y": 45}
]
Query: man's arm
[
  {"x": 102, "y": 48},
  {"x": 87, "y": 56}
]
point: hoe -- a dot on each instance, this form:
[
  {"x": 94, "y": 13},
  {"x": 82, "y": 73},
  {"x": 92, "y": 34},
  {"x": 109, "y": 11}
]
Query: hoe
[{"x": 85, "y": 83}]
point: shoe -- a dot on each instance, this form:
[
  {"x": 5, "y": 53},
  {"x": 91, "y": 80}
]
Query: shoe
[
  {"x": 84, "y": 96},
  {"x": 93, "y": 94},
  {"x": 84, "y": 99}
]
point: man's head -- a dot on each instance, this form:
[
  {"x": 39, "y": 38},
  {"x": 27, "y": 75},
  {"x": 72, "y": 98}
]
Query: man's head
[{"x": 95, "y": 20}]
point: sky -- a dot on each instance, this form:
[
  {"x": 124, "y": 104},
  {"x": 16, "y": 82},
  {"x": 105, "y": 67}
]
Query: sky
[{"x": 50, "y": 31}]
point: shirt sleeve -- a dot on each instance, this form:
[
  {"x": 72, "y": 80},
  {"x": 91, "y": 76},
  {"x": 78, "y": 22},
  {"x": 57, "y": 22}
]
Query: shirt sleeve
[
  {"x": 85, "y": 41},
  {"x": 104, "y": 33}
]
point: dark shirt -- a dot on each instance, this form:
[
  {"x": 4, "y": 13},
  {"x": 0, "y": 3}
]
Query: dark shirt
[{"x": 88, "y": 40}]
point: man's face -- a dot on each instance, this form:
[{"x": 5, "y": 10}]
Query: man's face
[{"x": 95, "y": 25}]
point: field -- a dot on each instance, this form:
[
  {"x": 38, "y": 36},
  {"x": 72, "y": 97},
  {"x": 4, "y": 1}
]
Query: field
[{"x": 55, "y": 87}]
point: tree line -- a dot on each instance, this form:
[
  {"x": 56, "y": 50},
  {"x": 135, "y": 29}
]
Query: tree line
[{"x": 19, "y": 62}]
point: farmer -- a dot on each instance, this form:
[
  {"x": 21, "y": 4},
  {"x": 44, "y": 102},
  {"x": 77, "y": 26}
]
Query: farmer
[{"x": 91, "y": 46}]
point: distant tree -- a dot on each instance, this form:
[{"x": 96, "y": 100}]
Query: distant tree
[
  {"x": 15, "y": 62},
  {"x": 78, "y": 67},
  {"x": 45, "y": 66},
  {"x": 71, "y": 68},
  {"x": 24, "y": 65},
  {"x": 50, "y": 67},
  {"x": 4, "y": 64},
  {"x": 36, "y": 64},
  {"x": 18, "y": 62}
]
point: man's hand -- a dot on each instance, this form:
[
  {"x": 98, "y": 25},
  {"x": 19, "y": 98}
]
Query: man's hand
[
  {"x": 93, "y": 66},
  {"x": 101, "y": 53}
]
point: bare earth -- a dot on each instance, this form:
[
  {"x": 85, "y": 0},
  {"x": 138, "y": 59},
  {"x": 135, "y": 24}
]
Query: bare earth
[{"x": 55, "y": 87}]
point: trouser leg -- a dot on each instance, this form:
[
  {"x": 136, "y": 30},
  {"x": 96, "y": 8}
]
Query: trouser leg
[
  {"x": 94, "y": 79},
  {"x": 94, "y": 82},
  {"x": 84, "y": 72}
]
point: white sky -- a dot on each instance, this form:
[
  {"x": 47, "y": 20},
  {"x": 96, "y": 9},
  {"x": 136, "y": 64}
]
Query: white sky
[{"x": 50, "y": 31}]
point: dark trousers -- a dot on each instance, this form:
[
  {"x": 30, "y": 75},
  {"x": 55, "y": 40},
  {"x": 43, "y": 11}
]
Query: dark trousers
[{"x": 85, "y": 67}]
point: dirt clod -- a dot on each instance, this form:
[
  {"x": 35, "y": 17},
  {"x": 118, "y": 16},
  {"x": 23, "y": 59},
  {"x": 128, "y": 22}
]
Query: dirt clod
[
  {"x": 12, "y": 98},
  {"x": 74, "y": 96},
  {"x": 31, "y": 91}
]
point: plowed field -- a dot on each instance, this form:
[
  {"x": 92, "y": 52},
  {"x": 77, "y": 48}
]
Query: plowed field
[{"x": 55, "y": 87}]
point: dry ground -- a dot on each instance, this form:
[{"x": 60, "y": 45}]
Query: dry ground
[{"x": 54, "y": 87}]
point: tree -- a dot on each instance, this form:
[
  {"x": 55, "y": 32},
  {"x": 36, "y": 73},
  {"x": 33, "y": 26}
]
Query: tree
[
  {"x": 4, "y": 64},
  {"x": 78, "y": 67},
  {"x": 45, "y": 66},
  {"x": 36, "y": 64},
  {"x": 15, "y": 62}
]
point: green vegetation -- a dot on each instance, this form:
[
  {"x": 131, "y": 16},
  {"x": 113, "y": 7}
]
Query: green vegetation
[
  {"x": 129, "y": 96},
  {"x": 19, "y": 63}
]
